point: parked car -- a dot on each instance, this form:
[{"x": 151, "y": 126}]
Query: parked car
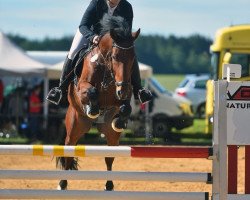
[
  {"x": 166, "y": 111},
  {"x": 193, "y": 87}
]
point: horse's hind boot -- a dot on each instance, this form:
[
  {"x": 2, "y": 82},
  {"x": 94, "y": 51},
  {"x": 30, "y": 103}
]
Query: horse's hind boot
[{"x": 92, "y": 111}]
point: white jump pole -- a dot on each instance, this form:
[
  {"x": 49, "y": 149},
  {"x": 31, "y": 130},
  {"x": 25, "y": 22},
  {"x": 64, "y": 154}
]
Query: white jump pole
[
  {"x": 220, "y": 141},
  {"x": 100, "y": 195},
  {"x": 71, "y": 151},
  {"x": 106, "y": 151},
  {"x": 106, "y": 175}
]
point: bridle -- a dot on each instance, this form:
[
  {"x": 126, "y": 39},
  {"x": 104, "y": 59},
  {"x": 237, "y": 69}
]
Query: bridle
[
  {"x": 108, "y": 62},
  {"x": 123, "y": 48},
  {"x": 122, "y": 83}
]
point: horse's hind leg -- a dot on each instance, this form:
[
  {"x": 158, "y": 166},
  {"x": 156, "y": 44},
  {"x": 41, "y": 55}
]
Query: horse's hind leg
[
  {"x": 75, "y": 125},
  {"x": 112, "y": 140},
  {"x": 69, "y": 163},
  {"x": 109, "y": 162}
]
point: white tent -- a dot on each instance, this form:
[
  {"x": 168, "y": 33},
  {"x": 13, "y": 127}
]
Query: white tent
[
  {"x": 54, "y": 72},
  {"x": 14, "y": 61}
]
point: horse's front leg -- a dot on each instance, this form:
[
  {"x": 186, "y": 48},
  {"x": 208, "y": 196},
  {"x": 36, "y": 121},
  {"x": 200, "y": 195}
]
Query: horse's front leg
[{"x": 119, "y": 123}]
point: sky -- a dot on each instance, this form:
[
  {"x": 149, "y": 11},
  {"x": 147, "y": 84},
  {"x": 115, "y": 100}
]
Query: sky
[{"x": 37, "y": 19}]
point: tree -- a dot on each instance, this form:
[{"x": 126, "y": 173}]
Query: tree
[{"x": 166, "y": 54}]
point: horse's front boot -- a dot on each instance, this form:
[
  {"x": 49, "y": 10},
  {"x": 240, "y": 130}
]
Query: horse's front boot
[
  {"x": 120, "y": 123},
  {"x": 92, "y": 110}
]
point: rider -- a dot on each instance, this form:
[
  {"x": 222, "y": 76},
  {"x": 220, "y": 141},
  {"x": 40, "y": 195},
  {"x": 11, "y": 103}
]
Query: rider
[{"x": 88, "y": 33}]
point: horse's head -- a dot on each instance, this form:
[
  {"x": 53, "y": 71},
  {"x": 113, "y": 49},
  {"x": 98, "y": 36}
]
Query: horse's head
[
  {"x": 123, "y": 56},
  {"x": 121, "y": 52}
]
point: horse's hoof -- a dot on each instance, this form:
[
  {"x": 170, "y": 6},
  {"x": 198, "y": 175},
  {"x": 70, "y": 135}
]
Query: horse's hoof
[
  {"x": 109, "y": 186},
  {"x": 91, "y": 115},
  {"x": 105, "y": 189},
  {"x": 62, "y": 185},
  {"x": 60, "y": 188},
  {"x": 116, "y": 129}
]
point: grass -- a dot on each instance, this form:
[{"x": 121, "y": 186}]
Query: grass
[
  {"x": 198, "y": 127},
  {"x": 14, "y": 140},
  {"x": 169, "y": 81},
  {"x": 193, "y": 135}
]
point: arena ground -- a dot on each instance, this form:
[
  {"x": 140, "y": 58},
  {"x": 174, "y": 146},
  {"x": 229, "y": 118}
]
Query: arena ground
[{"x": 120, "y": 164}]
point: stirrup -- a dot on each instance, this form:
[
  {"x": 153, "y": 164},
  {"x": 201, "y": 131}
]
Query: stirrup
[
  {"x": 145, "y": 95},
  {"x": 55, "y": 95}
]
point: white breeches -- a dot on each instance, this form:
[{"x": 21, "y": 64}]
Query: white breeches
[{"x": 78, "y": 43}]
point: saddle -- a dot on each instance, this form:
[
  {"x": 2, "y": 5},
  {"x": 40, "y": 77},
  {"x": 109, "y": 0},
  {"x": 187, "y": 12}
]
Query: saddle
[{"x": 77, "y": 62}]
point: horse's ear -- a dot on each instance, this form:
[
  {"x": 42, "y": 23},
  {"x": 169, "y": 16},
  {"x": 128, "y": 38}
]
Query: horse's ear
[
  {"x": 113, "y": 34},
  {"x": 136, "y": 34}
]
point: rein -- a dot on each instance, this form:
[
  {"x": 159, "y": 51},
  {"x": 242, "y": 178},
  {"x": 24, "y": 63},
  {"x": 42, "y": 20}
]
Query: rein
[{"x": 107, "y": 63}]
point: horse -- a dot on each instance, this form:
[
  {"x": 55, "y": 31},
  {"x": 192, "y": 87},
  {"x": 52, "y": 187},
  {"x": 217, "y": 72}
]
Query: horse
[{"x": 103, "y": 90}]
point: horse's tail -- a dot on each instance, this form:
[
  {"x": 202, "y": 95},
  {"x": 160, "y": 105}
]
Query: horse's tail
[{"x": 60, "y": 161}]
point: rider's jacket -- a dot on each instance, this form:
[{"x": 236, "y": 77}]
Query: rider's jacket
[{"x": 90, "y": 23}]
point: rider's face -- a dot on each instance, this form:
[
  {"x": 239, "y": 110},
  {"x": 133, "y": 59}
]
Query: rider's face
[{"x": 113, "y": 3}]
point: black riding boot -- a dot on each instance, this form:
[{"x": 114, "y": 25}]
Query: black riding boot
[
  {"x": 57, "y": 93},
  {"x": 139, "y": 92}
]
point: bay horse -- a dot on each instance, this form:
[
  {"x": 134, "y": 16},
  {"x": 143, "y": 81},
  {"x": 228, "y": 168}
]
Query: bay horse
[{"x": 103, "y": 90}]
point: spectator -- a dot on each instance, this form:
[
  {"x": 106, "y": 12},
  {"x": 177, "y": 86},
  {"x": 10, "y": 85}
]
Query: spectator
[{"x": 35, "y": 109}]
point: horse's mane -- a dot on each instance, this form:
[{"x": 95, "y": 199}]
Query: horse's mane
[{"x": 118, "y": 24}]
